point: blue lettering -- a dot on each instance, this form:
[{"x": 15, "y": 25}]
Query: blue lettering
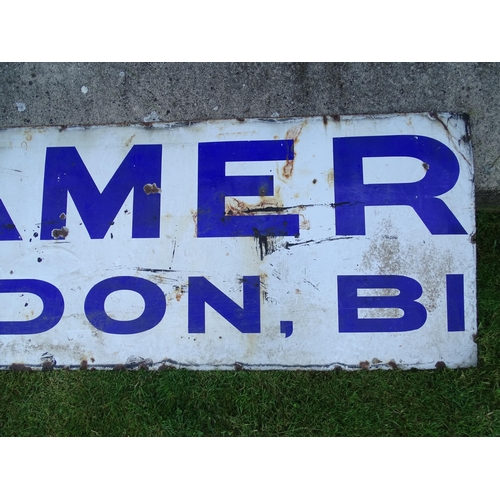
[
  {"x": 53, "y": 307},
  {"x": 154, "y": 309},
  {"x": 455, "y": 302},
  {"x": 352, "y": 195},
  {"x": 8, "y": 231},
  {"x": 214, "y": 186},
  {"x": 66, "y": 173},
  {"x": 246, "y": 319},
  {"x": 414, "y": 313}
]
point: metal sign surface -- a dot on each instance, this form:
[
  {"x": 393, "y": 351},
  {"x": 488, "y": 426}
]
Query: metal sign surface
[{"x": 308, "y": 243}]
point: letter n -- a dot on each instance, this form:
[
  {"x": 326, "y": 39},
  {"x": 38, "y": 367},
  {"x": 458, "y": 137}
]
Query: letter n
[{"x": 246, "y": 319}]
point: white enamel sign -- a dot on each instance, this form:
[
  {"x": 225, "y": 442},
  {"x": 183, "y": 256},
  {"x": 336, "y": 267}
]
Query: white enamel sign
[{"x": 305, "y": 243}]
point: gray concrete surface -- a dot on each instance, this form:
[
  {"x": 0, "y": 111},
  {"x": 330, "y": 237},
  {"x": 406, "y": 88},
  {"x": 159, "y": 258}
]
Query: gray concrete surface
[{"x": 67, "y": 94}]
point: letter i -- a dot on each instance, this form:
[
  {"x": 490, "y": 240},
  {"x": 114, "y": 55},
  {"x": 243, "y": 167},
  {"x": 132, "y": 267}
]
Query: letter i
[{"x": 455, "y": 302}]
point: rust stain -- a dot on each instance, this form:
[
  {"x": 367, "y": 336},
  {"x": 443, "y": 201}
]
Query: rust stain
[
  {"x": 325, "y": 120},
  {"x": 335, "y": 118},
  {"x": 364, "y": 365},
  {"x": 393, "y": 364},
  {"x": 60, "y": 233},
  {"x": 329, "y": 178},
  {"x": 287, "y": 170},
  {"x": 129, "y": 141},
  {"x": 27, "y": 135},
  {"x": 163, "y": 367},
  {"x": 304, "y": 224},
  {"x": 84, "y": 364},
  {"x": 47, "y": 366},
  {"x": 292, "y": 134},
  {"x": 19, "y": 367},
  {"x": 237, "y": 207},
  {"x": 152, "y": 188},
  {"x": 233, "y": 206}
]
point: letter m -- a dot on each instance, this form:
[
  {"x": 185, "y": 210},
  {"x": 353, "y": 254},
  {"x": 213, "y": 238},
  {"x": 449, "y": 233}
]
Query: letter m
[{"x": 66, "y": 173}]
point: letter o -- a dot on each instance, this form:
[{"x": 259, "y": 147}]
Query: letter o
[{"x": 154, "y": 305}]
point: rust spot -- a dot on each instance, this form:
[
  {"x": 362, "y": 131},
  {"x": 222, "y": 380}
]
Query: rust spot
[
  {"x": 294, "y": 132},
  {"x": 238, "y": 367},
  {"x": 62, "y": 216},
  {"x": 364, "y": 365},
  {"x": 305, "y": 224},
  {"x": 335, "y": 118},
  {"x": 325, "y": 120},
  {"x": 315, "y": 181},
  {"x": 393, "y": 364},
  {"x": 119, "y": 367},
  {"x": 28, "y": 135},
  {"x": 151, "y": 188},
  {"x": 129, "y": 141},
  {"x": 178, "y": 295},
  {"x": 288, "y": 169},
  {"x": 19, "y": 367},
  {"x": 329, "y": 178},
  {"x": 240, "y": 119},
  {"x": 440, "y": 365},
  {"x": 47, "y": 366},
  {"x": 163, "y": 367},
  {"x": 84, "y": 364},
  {"x": 426, "y": 166},
  {"x": 274, "y": 203},
  {"x": 60, "y": 233}
]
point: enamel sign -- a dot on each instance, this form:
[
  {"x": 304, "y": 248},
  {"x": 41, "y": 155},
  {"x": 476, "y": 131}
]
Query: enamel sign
[{"x": 305, "y": 243}]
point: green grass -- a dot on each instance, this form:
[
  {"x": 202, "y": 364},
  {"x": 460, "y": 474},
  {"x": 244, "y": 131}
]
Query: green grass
[{"x": 188, "y": 403}]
